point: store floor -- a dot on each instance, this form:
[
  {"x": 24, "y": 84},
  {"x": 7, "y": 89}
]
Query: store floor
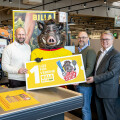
[{"x": 69, "y": 116}]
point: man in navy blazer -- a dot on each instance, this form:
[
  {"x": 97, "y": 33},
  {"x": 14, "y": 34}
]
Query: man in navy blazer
[{"x": 106, "y": 78}]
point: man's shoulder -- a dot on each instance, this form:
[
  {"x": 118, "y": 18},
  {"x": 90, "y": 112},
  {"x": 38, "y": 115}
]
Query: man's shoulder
[
  {"x": 27, "y": 45},
  {"x": 9, "y": 46},
  {"x": 90, "y": 49},
  {"x": 115, "y": 52}
]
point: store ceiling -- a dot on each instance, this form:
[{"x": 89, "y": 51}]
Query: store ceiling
[
  {"x": 91, "y": 23},
  {"x": 81, "y": 21}
]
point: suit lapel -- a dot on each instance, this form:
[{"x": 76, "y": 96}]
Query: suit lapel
[
  {"x": 105, "y": 58},
  {"x": 99, "y": 53}
]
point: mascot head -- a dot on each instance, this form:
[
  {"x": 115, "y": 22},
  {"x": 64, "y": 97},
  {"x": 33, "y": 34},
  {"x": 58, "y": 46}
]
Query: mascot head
[{"x": 51, "y": 36}]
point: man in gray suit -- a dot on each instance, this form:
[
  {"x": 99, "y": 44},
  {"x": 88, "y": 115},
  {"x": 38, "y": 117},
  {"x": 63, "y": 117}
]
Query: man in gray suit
[{"x": 106, "y": 78}]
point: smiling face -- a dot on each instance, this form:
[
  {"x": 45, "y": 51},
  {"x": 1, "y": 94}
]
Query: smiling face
[
  {"x": 20, "y": 35},
  {"x": 82, "y": 39},
  {"x": 106, "y": 41}
]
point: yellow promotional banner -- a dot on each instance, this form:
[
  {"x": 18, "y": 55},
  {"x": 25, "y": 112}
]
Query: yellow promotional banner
[
  {"x": 55, "y": 72},
  {"x": 16, "y": 99}
]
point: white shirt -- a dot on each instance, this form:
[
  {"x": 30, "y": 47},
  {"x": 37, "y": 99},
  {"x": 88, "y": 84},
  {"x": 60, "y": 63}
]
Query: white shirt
[
  {"x": 103, "y": 52},
  {"x": 14, "y": 57}
]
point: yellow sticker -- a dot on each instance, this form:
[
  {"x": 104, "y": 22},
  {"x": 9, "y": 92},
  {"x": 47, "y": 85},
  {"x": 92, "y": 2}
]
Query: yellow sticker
[{"x": 16, "y": 99}]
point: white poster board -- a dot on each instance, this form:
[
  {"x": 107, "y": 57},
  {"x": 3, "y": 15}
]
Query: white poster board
[
  {"x": 62, "y": 17},
  {"x": 3, "y": 44}
]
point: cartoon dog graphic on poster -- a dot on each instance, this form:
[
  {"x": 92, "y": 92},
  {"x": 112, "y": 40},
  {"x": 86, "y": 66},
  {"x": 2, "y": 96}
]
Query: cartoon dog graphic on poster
[{"x": 68, "y": 69}]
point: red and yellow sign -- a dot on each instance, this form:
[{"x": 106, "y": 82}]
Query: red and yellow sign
[
  {"x": 55, "y": 72},
  {"x": 16, "y": 99},
  {"x": 4, "y": 33}
]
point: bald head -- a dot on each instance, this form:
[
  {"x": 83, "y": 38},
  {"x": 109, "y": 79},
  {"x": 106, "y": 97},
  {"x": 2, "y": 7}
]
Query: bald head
[
  {"x": 82, "y": 39},
  {"x": 20, "y": 35}
]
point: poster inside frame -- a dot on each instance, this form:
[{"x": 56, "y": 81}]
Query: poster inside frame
[
  {"x": 28, "y": 20},
  {"x": 55, "y": 72}
]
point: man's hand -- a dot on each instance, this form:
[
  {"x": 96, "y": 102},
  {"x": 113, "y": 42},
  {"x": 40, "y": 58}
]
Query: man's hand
[
  {"x": 90, "y": 80},
  {"x": 38, "y": 60},
  {"x": 76, "y": 84},
  {"x": 22, "y": 71}
]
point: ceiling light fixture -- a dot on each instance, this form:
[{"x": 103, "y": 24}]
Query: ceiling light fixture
[
  {"x": 69, "y": 8},
  {"x": 107, "y": 28},
  {"x": 58, "y": 9},
  {"x": 10, "y": 1},
  {"x": 68, "y": 13},
  {"x": 105, "y": 1},
  {"x": 116, "y": 3},
  {"x": 77, "y": 11},
  {"x": 84, "y": 5},
  {"x": 108, "y": 8},
  {"x": 71, "y": 21}
]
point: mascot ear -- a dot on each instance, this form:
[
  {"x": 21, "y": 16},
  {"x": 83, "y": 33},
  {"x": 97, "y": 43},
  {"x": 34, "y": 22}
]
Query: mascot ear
[
  {"x": 40, "y": 25},
  {"x": 60, "y": 26}
]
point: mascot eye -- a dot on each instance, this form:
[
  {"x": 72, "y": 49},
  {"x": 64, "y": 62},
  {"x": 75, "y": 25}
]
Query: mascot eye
[{"x": 48, "y": 31}]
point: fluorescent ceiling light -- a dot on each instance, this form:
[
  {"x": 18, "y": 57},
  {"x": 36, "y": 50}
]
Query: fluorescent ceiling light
[
  {"x": 116, "y": 3},
  {"x": 71, "y": 23}
]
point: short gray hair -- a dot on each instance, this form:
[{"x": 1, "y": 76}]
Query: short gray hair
[{"x": 107, "y": 33}]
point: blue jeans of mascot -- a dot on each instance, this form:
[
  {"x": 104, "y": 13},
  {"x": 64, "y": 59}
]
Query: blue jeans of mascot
[{"x": 87, "y": 94}]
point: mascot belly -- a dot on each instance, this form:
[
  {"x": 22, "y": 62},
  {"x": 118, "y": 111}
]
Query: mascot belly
[{"x": 52, "y": 53}]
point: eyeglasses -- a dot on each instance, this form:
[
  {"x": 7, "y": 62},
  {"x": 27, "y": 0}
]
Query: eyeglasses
[
  {"x": 82, "y": 38},
  {"x": 105, "y": 39}
]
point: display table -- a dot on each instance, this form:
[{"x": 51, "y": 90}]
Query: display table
[{"x": 53, "y": 103}]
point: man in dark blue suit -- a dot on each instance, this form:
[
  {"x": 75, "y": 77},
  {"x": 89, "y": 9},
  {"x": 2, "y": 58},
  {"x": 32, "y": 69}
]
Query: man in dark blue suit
[{"x": 106, "y": 78}]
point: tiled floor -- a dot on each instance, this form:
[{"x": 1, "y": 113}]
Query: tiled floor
[{"x": 69, "y": 116}]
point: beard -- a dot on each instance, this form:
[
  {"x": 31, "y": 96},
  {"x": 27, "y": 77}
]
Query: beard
[
  {"x": 20, "y": 41},
  {"x": 81, "y": 44}
]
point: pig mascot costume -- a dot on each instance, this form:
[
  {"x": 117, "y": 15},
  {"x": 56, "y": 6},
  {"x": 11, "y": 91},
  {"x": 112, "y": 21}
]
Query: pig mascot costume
[{"x": 50, "y": 41}]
